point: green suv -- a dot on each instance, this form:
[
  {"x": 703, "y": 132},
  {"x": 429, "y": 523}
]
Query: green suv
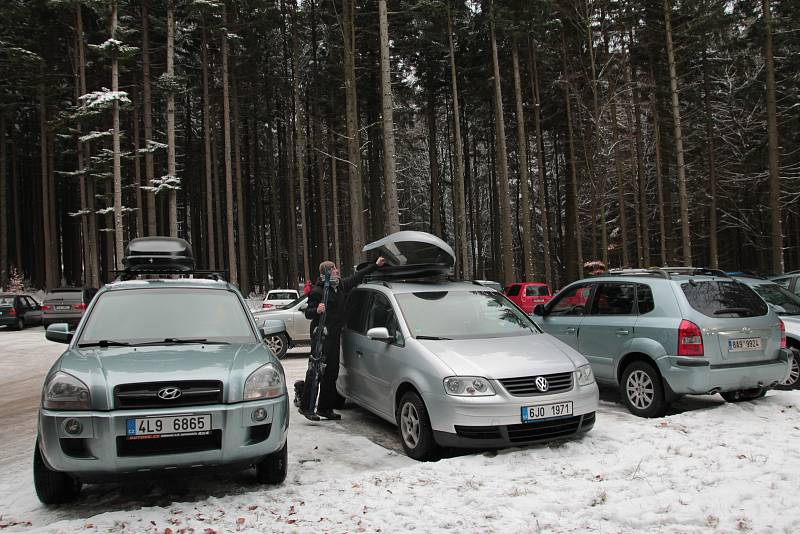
[
  {"x": 658, "y": 334},
  {"x": 166, "y": 373}
]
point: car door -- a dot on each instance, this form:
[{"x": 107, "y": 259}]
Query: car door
[
  {"x": 608, "y": 326},
  {"x": 33, "y": 314},
  {"x": 351, "y": 381},
  {"x": 382, "y": 359},
  {"x": 563, "y": 314},
  {"x": 300, "y": 326}
]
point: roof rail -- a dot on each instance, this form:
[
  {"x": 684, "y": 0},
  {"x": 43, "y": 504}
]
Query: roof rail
[
  {"x": 384, "y": 283},
  {"x": 133, "y": 274},
  {"x": 653, "y": 271},
  {"x": 692, "y": 271}
]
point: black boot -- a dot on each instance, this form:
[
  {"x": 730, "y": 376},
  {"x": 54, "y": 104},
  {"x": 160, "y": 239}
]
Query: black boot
[
  {"x": 329, "y": 414},
  {"x": 311, "y": 416}
]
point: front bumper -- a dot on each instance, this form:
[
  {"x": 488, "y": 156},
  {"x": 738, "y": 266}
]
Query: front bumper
[
  {"x": 496, "y": 421},
  {"x": 101, "y": 448},
  {"x": 686, "y": 375}
]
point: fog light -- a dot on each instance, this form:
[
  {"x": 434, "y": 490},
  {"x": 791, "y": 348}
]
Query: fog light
[
  {"x": 73, "y": 427},
  {"x": 259, "y": 414}
]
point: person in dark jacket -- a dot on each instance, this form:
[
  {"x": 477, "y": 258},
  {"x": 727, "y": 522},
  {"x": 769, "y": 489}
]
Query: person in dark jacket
[{"x": 334, "y": 321}]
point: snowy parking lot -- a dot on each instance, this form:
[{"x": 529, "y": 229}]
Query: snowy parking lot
[{"x": 709, "y": 466}]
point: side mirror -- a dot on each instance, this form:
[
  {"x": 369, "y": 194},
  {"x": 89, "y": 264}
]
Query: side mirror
[
  {"x": 58, "y": 332},
  {"x": 272, "y": 326},
  {"x": 379, "y": 334},
  {"x": 304, "y": 306},
  {"x": 539, "y": 310}
]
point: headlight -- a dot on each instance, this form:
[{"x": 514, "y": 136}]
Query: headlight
[
  {"x": 266, "y": 382},
  {"x": 65, "y": 392},
  {"x": 468, "y": 386},
  {"x": 585, "y": 375}
]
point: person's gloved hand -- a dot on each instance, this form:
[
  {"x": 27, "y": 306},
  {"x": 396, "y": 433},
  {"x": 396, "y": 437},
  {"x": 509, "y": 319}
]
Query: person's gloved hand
[
  {"x": 380, "y": 261},
  {"x": 321, "y": 308}
]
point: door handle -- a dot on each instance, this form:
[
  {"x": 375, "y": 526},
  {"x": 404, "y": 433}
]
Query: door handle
[
  {"x": 623, "y": 332},
  {"x": 570, "y": 330},
  {"x": 359, "y": 353}
]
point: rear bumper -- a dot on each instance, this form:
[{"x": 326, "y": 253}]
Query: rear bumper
[
  {"x": 8, "y": 320},
  {"x": 686, "y": 375},
  {"x": 70, "y": 317},
  {"x": 101, "y": 450}
]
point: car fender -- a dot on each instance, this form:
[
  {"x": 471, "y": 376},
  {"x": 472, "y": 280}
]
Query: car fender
[{"x": 639, "y": 345}]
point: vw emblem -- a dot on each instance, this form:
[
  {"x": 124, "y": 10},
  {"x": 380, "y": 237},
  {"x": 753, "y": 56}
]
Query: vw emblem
[
  {"x": 541, "y": 383},
  {"x": 169, "y": 393}
]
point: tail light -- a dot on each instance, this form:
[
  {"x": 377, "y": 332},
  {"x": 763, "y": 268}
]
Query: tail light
[
  {"x": 80, "y": 306},
  {"x": 45, "y": 307},
  {"x": 783, "y": 334},
  {"x": 690, "y": 339},
  {"x": 266, "y": 306},
  {"x": 12, "y": 311}
]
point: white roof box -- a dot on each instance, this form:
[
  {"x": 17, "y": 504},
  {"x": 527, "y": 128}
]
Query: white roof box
[{"x": 412, "y": 254}]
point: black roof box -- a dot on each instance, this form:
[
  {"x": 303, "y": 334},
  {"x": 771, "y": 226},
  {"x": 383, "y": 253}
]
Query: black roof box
[
  {"x": 161, "y": 253},
  {"x": 411, "y": 254}
]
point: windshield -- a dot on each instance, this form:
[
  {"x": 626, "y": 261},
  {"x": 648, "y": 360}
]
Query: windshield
[
  {"x": 463, "y": 315},
  {"x": 152, "y": 315},
  {"x": 781, "y": 300},
  {"x": 282, "y": 295}
]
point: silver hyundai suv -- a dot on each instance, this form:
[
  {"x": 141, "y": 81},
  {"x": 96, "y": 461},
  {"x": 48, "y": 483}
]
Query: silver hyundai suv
[
  {"x": 662, "y": 333},
  {"x": 456, "y": 363}
]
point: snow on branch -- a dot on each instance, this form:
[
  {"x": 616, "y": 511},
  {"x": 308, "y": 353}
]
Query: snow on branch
[
  {"x": 151, "y": 146},
  {"x": 91, "y": 136},
  {"x": 165, "y": 183},
  {"x": 114, "y": 46}
]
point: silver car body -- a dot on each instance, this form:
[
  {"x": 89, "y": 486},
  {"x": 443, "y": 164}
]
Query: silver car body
[
  {"x": 376, "y": 373},
  {"x": 298, "y": 328}
]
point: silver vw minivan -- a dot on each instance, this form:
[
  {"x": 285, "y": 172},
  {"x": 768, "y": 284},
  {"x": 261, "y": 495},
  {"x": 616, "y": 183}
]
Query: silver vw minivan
[{"x": 456, "y": 363}]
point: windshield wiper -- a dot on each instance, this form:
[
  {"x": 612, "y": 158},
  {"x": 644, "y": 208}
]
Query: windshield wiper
[
  {"x": 732, "y": 310},
  {"x": 189, "y": 341},
  {"x": 104, "y": 343},
  {"x": 435, "y": 338}
]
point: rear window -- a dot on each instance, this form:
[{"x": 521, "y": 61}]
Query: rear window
[
  {"x": 6, "y": 301},
  {"x": 644, "y": 298},
  {"x": 723, "y": 299},
  {"x": 513, "y": 291},
  {"x": 65, "y": 294},
  {"x": 282, "y": 295},
  {"x": 536, "y": 291}
]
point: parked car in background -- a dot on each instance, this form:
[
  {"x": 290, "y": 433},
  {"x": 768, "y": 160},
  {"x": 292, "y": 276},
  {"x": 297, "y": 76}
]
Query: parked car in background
[
  {"x": 279, "y": 297},
  {"x": 161, "y": 375},
  {"x": 527, "y": 295},
  {"x": 789, "y": 281},
  {"x": 490, "y": 283},
  {"x": 454, "y": 364},
  {"x": 66, "y": 304},
  {"x": 787, "y": 306},
  {"x": 298, "y": 328},
  {"x": 18, "y": 310},
  {"x": 661, "y": 333}
]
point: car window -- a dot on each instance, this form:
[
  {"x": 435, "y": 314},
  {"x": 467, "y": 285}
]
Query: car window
[
  {"x": 723, "y": 299},
  {"x": 783, "y": 301},
  {"x": 644, "y": 299},
  {"x": 513, "y": 291},
  {"x": 31, "y": 303},
  {"x": 152, "y": 315},
  {"x": 536, "y": 291},
  {"x": 381, "y": 314},
  {"x": 783, "y": 282},
  {"x": 64, "y": 294},
  {"x": 6, "y": 301},
  {"x": 294, "y": 303},
  {"x": 613, "y": 299},
  {"x": 282, "y": 295},
  {"x": 571, "y": 301},
  {"x": 356, "y": 306}
]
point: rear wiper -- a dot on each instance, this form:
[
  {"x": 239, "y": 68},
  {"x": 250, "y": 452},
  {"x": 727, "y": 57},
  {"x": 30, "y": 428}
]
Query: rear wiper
[
  {"x": 435, "y": 338},
  {"x": 732, "y": 310},
  {"x": 104, "y": 343}
]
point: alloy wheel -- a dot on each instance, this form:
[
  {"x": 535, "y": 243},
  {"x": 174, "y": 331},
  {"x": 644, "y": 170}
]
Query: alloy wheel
[
  {"x": 794, "y": 372},
  {"x": 409, "y": 425},
  {"x": 275, "y": 343},
  {"x": 640, "y": 389}
]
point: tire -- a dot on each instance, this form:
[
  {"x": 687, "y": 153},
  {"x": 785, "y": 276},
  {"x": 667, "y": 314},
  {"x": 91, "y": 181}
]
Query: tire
[
  {"x": 273, "y": 467},
  {"x": 643, "y": 390},
  {"x": 20, "y": 324},
  {"x": 53, "y": 487},
  {"x": 744, "y": 395},
  {"x": 415, "y": 430},
  {"x": 793, "y": 382},
  {"x": 278, "y": 344}
]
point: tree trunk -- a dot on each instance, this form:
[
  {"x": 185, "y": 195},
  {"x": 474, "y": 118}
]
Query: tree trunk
[
  {"x": 572, "y": 228},
  {"x": 207, "y": 149},
  {"x": 713, "y": 254},
  {"x": 659, "y": 176},
  {"x": 533, "y": 67},
  {"x": 137, "y": 167},
  {"x": 171, "y": 170},
  {"x": 353, "y": 137},
  {"x": 226, "y": 127},
  {"x": 772, "y": 136},
  {"x": 389, "y": 176},
  {"x": 503, "y": 194},
  {"x": 3, "y": 205},
  {"x": 118, "y": 228},
  {"x": 299, "y": 142},
  {"x": 459, "y": 202},
  {"x": 337, "y": 254},
  {"x": 522, "y": 145},
  {"x": 148, "y": 120},
  {"x": 433, "y": 158},
  {"x": 640, "y": 169},
  {"x": 676, "y": 116},
  {"x": 241, "y": 215},
  {"x": 49, "y": 239}
]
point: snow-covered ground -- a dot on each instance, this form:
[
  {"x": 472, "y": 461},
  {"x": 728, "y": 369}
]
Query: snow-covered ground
[{"x": 707, "y": 467}]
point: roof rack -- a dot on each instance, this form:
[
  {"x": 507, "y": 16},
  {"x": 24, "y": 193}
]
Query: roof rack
[
  {"x": 692, "y": 271},
  {"x": 653, "y": 271},
  {"x": 133, "y": 274}
]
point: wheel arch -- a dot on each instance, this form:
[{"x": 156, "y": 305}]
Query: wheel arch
[{"x": 404, "y": 387}]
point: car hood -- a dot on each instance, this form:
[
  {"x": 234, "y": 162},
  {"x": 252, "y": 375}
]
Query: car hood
[
  {"x": 505, "y": 357},
  {"x": 102, "y": 369}
]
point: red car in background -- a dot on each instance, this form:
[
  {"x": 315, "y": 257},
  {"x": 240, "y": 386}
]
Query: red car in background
[{"x": 527, "y": 295}]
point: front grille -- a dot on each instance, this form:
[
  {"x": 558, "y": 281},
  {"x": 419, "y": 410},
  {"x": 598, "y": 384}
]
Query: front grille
[
  {"x": 168, "y": 445},
  {"x": 478, "y": 432},
  {"x": 525, "y": 386},
  {"x": 145, "y": 395},
  {"x": 552, "y": 429}
]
